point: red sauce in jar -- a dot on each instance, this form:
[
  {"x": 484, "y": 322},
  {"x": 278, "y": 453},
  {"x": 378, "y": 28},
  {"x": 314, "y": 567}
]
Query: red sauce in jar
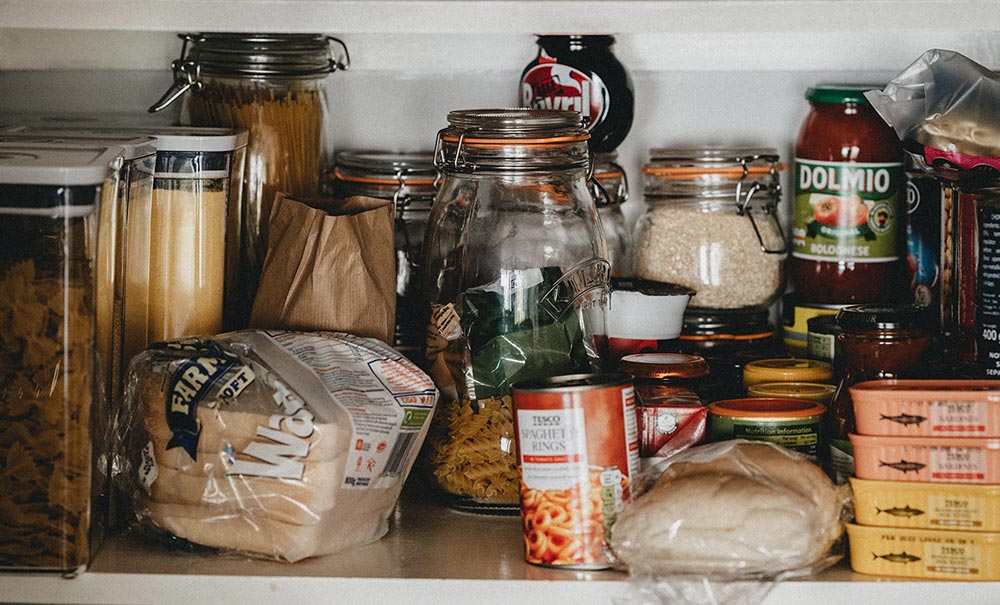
[{"x": 849, "y": 215}]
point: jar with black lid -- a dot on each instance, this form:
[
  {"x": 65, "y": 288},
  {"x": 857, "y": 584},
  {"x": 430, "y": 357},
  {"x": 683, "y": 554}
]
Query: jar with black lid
[
  {"x": 410, "y": 181},
  {"x": 581, "y": 73},
  {"x": 880, "y": 342},
  {"x": 728, "y": 340},
  {"x": 272, "y": 85},
  {"x": 610, "y": 186},
  {"x": 516, "y": 281}
]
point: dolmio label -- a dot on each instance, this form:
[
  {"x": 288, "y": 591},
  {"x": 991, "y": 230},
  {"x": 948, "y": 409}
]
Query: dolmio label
[
  {"x": 552, "y": 85},
  {"x": 847, "y": 211}
]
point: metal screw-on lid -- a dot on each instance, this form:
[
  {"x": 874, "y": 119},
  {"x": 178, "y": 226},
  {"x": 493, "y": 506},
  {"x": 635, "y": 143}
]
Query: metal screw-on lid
[
  {"x": 841, "y": 93},
  {"x": 883, "y": 317},
  {"x": 664, "y": 365}
]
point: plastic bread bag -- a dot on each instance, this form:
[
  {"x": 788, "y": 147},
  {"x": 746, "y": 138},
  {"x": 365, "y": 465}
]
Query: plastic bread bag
[
  {"x": 944, "y": 109},
  {"x": 283, "y": 445},
  {"x": 722, "y": 522}
]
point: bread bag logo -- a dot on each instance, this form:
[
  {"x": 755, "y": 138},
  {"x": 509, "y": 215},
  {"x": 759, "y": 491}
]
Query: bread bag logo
[{"x": 190, "y": 383}]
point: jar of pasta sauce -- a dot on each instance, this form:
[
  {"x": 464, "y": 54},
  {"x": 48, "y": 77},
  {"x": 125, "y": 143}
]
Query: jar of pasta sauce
[
  {"x": 849, "y": 211},
  {"x": 880, "y": 342}
]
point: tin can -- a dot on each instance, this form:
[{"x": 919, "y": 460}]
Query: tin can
[
  {"x": 795, "y": 424},
  {"x": 578, "y": 448}
]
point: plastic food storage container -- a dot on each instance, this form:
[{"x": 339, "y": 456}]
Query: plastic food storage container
[
  {"x": 928, "y": 408},
  {"x": 933, "y": 459},
  {"x": 52, "y": 407},
  {"x": 711, "y": 225},
  {"x": 926, "y": 505},
  {"x": 516, "y": 278},
  {"x": 925, "y": 553},
  {"x": 212, "y": 157},
  {"x": 130, "y": 181}
]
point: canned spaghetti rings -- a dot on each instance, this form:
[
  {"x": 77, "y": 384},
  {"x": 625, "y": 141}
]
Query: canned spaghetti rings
[{"x": 579, "y": 451}]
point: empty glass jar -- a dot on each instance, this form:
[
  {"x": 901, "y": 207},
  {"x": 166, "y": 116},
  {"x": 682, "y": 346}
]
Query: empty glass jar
[{"x": 516, "y": 277}]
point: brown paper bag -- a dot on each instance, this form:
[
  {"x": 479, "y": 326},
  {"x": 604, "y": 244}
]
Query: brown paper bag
[{"x": 329, "y": 269}]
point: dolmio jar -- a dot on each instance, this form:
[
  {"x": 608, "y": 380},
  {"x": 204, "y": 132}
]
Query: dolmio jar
[{"x": 849, "y": 213}]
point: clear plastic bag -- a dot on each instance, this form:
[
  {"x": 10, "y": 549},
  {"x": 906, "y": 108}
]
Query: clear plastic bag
[
  {"x": 943, "y": 107},
  {"x": 283, "y": 445},
  {"x": 728, "y": 514}
]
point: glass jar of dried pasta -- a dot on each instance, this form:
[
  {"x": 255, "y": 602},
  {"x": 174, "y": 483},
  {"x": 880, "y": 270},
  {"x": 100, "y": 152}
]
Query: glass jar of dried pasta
[
  {"x": 516, "y": 278},
  {"x": 273, "y": 86}
]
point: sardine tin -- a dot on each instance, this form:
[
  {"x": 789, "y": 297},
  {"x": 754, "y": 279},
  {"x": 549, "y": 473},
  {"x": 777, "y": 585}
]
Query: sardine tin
[{"x": 925, "y": 553}]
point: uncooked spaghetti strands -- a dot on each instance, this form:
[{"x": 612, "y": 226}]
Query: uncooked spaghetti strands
[{"x": 284, "y": 152}]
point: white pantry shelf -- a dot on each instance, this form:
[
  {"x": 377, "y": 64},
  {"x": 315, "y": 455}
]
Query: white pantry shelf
[
  {"x": 431, "y": 555},
  {"x": 503, "y": 16}
]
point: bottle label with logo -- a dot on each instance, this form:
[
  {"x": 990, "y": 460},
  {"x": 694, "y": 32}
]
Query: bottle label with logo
[
  {"x": 552, "y": 85},
  {"x": 848, "y": 211}
]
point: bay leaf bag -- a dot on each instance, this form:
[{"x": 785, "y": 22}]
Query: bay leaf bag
[{"x": 330, "y": 265}]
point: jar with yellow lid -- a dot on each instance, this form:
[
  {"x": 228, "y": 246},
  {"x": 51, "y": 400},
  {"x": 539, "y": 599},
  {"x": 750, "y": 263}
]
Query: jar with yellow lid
[
  {"x": 787, "y": 370},
  {"x": 809, "y": 391},
  {"x": 711, "y": 225}
]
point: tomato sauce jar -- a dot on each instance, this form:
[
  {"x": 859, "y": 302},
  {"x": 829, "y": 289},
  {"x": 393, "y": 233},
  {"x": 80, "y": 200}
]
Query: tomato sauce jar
[{"x": 849, "y": 210}]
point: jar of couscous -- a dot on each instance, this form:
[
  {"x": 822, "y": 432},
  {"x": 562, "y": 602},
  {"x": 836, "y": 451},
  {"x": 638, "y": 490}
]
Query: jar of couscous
[{"x": 711, "y": 225}]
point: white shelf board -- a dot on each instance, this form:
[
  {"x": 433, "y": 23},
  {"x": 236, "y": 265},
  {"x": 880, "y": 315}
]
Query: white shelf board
[
  {"x": 431, "y": 555},
  {"x": 503, "y": 16}
]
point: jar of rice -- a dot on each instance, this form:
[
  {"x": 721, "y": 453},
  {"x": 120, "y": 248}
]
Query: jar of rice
[{"x": 711, "y": 225}]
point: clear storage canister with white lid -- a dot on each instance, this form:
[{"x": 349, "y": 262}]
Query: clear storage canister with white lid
[
  {"x": 186, "y": 150},
  {"x": 711, "y": 225},
  {"x": 410, "y": 181},
  {"x": 53, "y": 454},
  {"x": 516, "y": 277},
  {"x": 130, "y": 182}
]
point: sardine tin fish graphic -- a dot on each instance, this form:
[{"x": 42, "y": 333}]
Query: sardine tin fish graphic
[
  {"x": 904, "y": 419},
  {"x": 897, "y": 557},
  {"x": 903, "y": 466},
  {"x": 900, "y": 512}
]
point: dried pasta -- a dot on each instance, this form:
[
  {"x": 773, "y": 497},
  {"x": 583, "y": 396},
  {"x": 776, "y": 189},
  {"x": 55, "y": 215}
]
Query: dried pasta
[{"x": 472, "y": 450}]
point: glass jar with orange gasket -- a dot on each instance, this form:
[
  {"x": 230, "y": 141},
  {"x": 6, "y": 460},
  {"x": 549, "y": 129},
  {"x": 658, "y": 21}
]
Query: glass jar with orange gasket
[
  {"x": 410, "y": 181},
  {"x": 516, "y": 279},
  {"x": 611, "y": 191},
  {"x": 711, "y": 225}
]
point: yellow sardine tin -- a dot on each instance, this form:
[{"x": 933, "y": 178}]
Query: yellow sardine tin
[
  {"x": 926, "y": 505},
  {"x": 925, "y": 553}
]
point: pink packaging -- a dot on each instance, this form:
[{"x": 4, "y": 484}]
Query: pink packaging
[
  {"x": 930, "y": 459},
  {"x": 928, "y": 408}
]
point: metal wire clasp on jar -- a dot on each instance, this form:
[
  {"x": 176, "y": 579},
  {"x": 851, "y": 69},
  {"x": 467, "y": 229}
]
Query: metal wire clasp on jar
[
  {"x": 516, "y": 279},
  {"x": 711, "y": 225}
]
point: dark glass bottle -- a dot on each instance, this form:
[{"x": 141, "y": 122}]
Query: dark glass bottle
[
  {"x": 880, "y": 342},
  {"x": 580, "y": 73}
]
